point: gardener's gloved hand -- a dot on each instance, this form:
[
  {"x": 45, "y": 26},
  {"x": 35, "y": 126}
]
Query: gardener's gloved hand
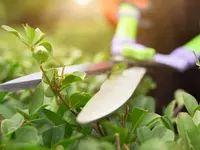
[
  {"x": 123, "y": 42},
  {"x": 181, "y": 58},
  {"x": 129, "y": 48}
]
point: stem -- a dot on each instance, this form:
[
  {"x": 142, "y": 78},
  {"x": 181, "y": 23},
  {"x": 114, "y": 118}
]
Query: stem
[
  {"x": 54, "y": 90},
  {"x": 118, "y": 141},
  {"x": 126, "y": 147},
  {"x": 177, "y": 110},
  {"x": 97, "y": 128},
  {"x": 125, "y": 116},
  {"x": 23, "y": 123}
]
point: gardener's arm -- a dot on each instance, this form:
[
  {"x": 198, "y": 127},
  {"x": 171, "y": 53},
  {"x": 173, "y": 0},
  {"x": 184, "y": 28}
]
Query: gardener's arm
[{"x": 124, "y": 41}]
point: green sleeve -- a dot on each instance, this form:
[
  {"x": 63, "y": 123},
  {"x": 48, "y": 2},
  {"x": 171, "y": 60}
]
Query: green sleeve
[
  {"x": 127, "y": 25},
  {"x": 194, "y": 44}
]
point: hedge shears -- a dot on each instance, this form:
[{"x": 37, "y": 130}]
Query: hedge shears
[{"x": 113, "y": 93}]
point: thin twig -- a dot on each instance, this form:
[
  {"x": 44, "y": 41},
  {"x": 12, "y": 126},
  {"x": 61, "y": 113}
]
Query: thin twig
[
  {"x": 177, "y": 110},
  {"x": 54, "y": 90},
  {"x": 54, "y": 78},
  {"x": 126, "y": 147},
  {"x": 125, "y": 117},
  {"x": 23, "y": 123},
  {"x": 55, "y": 86},
  {"x": 57, "y": 92},
  {"x": 118, "y": 141},
  {"x": 97, "y": 128},
  {"x": 60, "y": 82}
]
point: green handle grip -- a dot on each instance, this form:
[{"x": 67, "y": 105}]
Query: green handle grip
[
  {"x": 194, "y": 44},
  {"x": 138, "y": 52}
]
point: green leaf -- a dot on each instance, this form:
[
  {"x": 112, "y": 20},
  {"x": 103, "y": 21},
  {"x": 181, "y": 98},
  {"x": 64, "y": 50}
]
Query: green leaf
[
  {"x": 190, "y": 102},
  {"x": 179, "y": 98},
  {"x": 37, "y": 99},
  {"x": 70, "y": 117},
  {"x": 67, "y": 142},
  {"x": 163, "y": 133},
  {"x": 30, "y": 32},
  {"x": 188, "y": 131},
  {"x": 72, "y": 78},
  {"x": 137, "y": 116},
  {"x": 196, "y": 118},
  {"x": 154, "y": 144},
  {"x": 54, "y": 135},
  {"x": 2, "y": 95},
  {"x": 150, "y": 119},
  {"x": 24, "y": 113},
  {"x": 57, "y": 120},
  {"x": 79, "y": 99},
  {"x": 41, "y": 124},
  {"x": 48, "y": 92},
  {"x": 8, "y": 126},
  {"x": 48, "y": 47},
  {"x": 26, "y": 134},
  {"x": 123, "y": 132},
  {"x": 39, "y": 36},
  {"x": 93, "y": 144},
  {"x": 18, "y": 119},
  {"x": 144, "y": 134},
  {"x": 16, "y": 33},
  {"x": 167, "y": 122},
  {"x": 169, "y": 110},
  {"x": 144, "y": 102}
]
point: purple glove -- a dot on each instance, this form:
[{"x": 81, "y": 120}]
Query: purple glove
[
  {"x": 181, "y": 58},
  {"x": 118, "y": 44}
]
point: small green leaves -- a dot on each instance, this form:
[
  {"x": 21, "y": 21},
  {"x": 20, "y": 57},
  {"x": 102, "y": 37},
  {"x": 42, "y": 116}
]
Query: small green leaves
[
  {"x": 41, "y": 50},
  {"x": 144, "y": 133},
  {"x": 163, "y": 133},
  {"x": 41, "y": 54},
  {"x": 79, "y": 99},
  {"x": 2, "y": 95},
  {"x": 8, "y": 126},
  {"x": 144, "y": 102},
  {"x": 57, "y": 120},
  {"x": 169, "y": 110},
  {"x": 188, "y": 131},
  {"x": 16, "y": 33},
  {"x": 39, "y": 36},
  {"x": 26, "y": 134},
  {"x": 69, "y": 141},
  {"x": 47, "y": 46},
  {"x": 196, "y": 118},
  {"x": 54, "y": 135},
  {"x": 72, "y": 78},
  {"x": 30, "y": 33},
  {"x": 189, "y": 102},
  {"x": 37, "y": 99},
  {"x": 137, "y": 116},
  {"x": 48, "y": 92},
  {"x": 123, "y": 132}
]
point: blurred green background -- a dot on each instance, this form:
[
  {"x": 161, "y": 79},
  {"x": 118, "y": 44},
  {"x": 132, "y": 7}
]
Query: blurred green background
[{"x": 77, "y": 29}]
